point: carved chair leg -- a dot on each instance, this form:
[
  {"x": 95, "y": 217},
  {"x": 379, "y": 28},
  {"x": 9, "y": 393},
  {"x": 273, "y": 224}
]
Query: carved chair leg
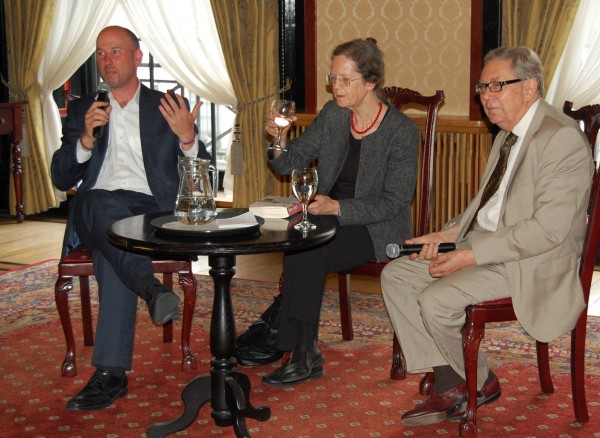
[
  {"x": 168, "y": 327},
  {"x": 398, "y": 371},
  {"x": 345, "y": 306},
  {"x": 472, "y": 335},
  {"x": 61, "y": 295},
  {"x": 544, "y": 367},
  {"x": 426, "y": 384},
  {"x": 86, "y": 311},
  {"x": 188, "y": 283},
  {"x": 578, "y": 369}
]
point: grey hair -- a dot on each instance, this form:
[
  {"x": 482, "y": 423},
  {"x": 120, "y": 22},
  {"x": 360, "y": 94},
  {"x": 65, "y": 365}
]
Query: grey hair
[{"x": 524, "y": 61}]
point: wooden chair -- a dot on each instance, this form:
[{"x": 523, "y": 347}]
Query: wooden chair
[
  {"x": 78, "y": 263},
  {"x": 401, "y": 98},
  {"x": 589, "y": 115},
  {"x": 479, "y": 314}
]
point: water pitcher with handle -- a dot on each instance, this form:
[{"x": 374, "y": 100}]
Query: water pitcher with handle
[{"x": 196, "y": 197}]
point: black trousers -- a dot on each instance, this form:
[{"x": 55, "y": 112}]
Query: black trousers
[
  {"x": 117, "y": 271},
  {"x": 304, "y": 276}
]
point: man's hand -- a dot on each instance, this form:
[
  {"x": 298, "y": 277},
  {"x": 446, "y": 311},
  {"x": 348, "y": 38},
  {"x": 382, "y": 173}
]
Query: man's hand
[
  {"x": 446, "y": 264},
  {"x": 181, "y": 122},
  {"x": 97, "y": 115}
]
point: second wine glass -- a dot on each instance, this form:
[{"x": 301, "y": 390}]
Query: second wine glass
[
  {"x": 304, "y": 186},
  {"x": 283, "y": 110}
]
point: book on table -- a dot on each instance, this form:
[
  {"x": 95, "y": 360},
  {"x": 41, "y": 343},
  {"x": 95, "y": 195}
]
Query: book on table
[{"x": 276, "y": 207}]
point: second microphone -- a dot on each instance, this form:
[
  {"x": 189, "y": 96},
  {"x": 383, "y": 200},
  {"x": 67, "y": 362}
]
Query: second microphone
[{"x": 393, "y": 250}]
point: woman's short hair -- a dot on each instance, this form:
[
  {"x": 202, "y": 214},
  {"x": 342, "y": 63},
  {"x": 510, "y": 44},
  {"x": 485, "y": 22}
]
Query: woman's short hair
[
  {"x": 367, "y": 57},
  {"x": 524, "y": 61}
]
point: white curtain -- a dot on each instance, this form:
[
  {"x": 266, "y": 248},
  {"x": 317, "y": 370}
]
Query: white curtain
[
  {"x": 182, "y": 36},
  {"x": 72, "y": 40},
  {"x": 577, "y": 77}
]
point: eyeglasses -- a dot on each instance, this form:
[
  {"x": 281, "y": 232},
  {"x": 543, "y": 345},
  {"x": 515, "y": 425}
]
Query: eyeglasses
[
  {"x": 342, "y": 80},
  {"x": 495, "y": 86}
]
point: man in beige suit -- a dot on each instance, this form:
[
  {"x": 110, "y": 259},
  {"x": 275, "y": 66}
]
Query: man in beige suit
[{"x": 524, "y": 241}]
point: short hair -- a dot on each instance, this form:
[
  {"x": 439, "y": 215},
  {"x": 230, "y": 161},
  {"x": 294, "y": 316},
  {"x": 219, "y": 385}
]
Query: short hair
[
  {"x": 524, "y": 61},
  {"x": 367, "y": 57},
  {"x": 130, "y": 35}
]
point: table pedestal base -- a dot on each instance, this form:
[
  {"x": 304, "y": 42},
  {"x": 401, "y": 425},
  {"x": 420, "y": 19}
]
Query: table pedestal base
[
  {"x": 227, "y": 389},
  {"x": 198, "y": 392}
]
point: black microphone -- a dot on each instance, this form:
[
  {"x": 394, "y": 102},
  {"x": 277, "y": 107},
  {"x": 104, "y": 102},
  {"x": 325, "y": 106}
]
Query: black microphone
[
  {"x": 393, "y": 250},
  {"x": 102, "y": 96}
]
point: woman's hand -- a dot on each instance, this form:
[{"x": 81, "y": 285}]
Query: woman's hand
[{"x": 323, "y": 205}]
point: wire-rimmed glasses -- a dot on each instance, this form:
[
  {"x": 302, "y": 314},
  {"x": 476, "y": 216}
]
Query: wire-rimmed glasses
[{"x": 342, "y": 80}]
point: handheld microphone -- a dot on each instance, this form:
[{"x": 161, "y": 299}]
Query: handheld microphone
[
  {"x": 393, "y": 250},
  {"x": 102, "y": 96}
]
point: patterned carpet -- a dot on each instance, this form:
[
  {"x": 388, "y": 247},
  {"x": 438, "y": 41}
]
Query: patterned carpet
[{"x": 355, "y": 398}]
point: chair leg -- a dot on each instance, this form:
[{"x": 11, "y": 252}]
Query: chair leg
[
  {"x": 398, "y": 371},
  {"x": 168, "y": 327},
  {"x": 345, "y": 306},
  {"x": 61, "y": 295},
  {"x": 188, "y": 283},
  {"x": 544, "y": 367},
  {"x": 86, "y": 311},
  {"x": 472, "y": 335},
  {"x": 578, "y": 369}
]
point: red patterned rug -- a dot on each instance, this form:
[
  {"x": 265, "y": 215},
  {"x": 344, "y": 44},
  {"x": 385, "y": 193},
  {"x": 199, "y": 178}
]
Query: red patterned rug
[{"x": 355, "y": 398}]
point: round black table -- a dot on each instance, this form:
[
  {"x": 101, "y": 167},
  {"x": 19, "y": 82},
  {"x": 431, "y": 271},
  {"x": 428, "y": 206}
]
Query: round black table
[{"x": 227, "y": 389}]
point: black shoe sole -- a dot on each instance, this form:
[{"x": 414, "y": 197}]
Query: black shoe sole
[
  {"x": 460, "y": 410},
  {"x": 120, "y": 394},
  {"x": 165, "y": 308},
  {"x": 315, "y": 373}
]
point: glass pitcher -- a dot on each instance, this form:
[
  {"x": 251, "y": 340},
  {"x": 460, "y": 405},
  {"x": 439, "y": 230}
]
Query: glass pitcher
[{"x": 196, "y": 197}]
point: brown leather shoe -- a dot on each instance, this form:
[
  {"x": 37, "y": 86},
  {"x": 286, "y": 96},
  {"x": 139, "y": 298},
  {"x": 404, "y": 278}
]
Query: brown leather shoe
[
  {"x": 489, "y": 393},
  {"x": 426, "y": 384},
  {"x": 437, "y": 407}
]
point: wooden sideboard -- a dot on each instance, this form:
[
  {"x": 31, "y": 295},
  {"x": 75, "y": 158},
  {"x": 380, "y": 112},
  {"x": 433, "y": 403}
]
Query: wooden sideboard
[
  {"x": 462, "y": 147},
  {"x": 11, "y": 124}
]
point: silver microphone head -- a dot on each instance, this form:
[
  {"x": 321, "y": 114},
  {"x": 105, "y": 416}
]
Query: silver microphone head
[
  {"x": 392, "y": 250},
  {"x": 103, "y": 86}
]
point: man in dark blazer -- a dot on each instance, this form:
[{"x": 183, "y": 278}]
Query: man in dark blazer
[
  {"x": 523, "y": 242},
  {"x": 131, "y": 169}
]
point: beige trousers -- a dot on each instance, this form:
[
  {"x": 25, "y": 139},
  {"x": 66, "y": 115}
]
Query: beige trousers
[{"x": 428, "y": 313}]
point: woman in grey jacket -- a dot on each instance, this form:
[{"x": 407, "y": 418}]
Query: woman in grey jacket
[{"x": 367, "y": 164}]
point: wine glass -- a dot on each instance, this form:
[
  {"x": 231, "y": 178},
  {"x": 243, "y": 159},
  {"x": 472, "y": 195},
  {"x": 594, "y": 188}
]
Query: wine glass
[
  {"x": 304, "y": 186},
  {"x": 284, "y": 110}
]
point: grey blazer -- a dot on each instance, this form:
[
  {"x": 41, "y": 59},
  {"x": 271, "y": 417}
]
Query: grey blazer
[
  {"x": 542, "y": 223},
  {"x": 387, "y": 170}
]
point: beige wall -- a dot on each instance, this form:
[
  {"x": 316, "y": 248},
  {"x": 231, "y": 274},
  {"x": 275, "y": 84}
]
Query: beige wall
[{"x": 426, "y": 43}]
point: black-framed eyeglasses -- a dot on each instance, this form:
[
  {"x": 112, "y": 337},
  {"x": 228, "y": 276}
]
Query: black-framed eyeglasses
[
  {"x": 342, "y": 80},
  {"x": 495, "y": 86}
]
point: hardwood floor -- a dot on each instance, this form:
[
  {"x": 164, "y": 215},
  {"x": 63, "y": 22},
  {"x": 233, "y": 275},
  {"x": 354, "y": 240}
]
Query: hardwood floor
[{"x": 36, "y": 240}]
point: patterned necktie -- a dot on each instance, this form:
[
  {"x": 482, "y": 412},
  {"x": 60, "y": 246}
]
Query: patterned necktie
[{"x": 497, "y": 175}]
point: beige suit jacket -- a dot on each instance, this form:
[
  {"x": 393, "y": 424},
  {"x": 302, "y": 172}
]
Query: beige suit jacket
[{"x": 542, "y": 223}]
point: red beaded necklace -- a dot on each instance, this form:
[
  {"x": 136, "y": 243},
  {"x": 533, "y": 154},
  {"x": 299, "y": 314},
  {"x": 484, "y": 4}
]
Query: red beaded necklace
[{"x": 370, "y": 126}]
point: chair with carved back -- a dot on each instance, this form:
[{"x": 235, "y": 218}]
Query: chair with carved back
[
  {"x": 477, "y": 315},
  {"x": 401, "y": 98},
  {"x": 78, "y": 263}
]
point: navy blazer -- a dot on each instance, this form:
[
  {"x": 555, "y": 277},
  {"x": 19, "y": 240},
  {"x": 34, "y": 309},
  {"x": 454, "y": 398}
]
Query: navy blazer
[{"x": 160, "y": 150}]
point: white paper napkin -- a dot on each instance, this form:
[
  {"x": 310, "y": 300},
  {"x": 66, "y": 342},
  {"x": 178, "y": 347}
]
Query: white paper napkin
[{"x": 241, "y": 221}]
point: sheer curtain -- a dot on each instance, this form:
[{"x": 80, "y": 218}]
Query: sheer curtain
[
  {"x": 182, "y": 36},
  {"x": 577, "y": 77},
  {"x": 72, "y": 40}
]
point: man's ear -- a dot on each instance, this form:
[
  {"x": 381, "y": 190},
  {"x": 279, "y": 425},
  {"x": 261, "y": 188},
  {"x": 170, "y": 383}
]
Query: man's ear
[
  {"x": 531, "y": 88},
  {"x": 139, "y": 55}
]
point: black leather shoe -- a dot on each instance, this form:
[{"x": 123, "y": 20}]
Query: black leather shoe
[
  {"x": 162, "y": 302},
  {"x": 102, "y": 389},
  {"x": 300, "y": 366}
]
